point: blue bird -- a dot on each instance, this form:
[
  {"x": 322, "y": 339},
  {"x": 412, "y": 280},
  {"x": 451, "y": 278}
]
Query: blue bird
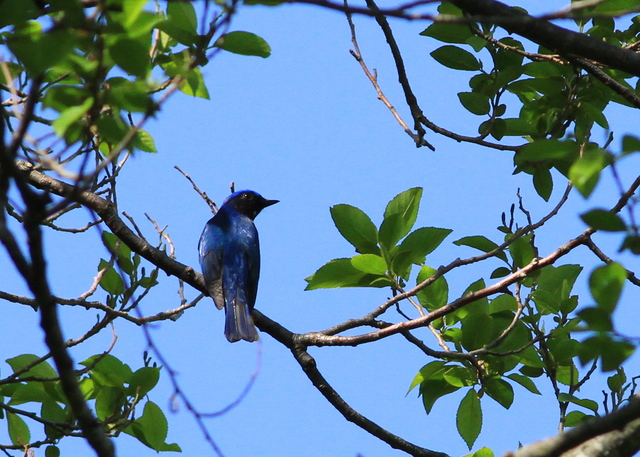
[{"x": 230, "y": 261}]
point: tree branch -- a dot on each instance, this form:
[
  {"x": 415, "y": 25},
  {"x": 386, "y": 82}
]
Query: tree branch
[
  {"x": 625, "y": 424},
  {"x": 308, "y": 365}
]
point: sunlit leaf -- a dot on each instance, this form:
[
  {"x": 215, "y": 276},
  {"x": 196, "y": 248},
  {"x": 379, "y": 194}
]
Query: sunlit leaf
[
  {"x": 342, "y": 273},
  {"x": 606, "y": 283},
  {"x": 370, "y": 263},
  {"x": 585, "y": 172},
  {"x": 245, "y": 43},
  {"x": 356, "y": 227},
  {"x": 482, "y": 243},
  {"x": 436, "y": 294}
]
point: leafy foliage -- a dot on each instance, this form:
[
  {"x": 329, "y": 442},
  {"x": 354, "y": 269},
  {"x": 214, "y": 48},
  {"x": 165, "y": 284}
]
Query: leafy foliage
[
  {"x": 383, "y": 261},
  {"x": 95, "y": 74}
]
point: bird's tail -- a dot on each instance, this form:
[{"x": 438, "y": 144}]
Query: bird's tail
[{"x": 238, "y": 322}]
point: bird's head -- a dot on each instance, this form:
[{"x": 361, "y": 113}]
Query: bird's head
[{"x": 248, "y": 203}]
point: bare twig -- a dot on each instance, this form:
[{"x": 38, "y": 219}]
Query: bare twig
[
  {"x": 373, "y": 77},
  {"x": 212, "y": 205}
]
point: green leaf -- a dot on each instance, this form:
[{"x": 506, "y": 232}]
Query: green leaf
[
  {"x": 122, "y": 251},
  {"x": 518, "y": 127},
  {"x": 500, "y": 390},
  {"x": 448, "y": 32},
  {"x": 576, "y": 418},
  {"x": 477, "y": 329},
  {"x": 342, "y": 273},
  {"x": 109, "y": 402},
  {"x": 143, "y": 380},
  {"x": 567, "y": 375},
  {"x": 111, "y": 280},
  {"x": 554, "y": 285},
  {"x": 51, "y": 451},
  {"x": 132, "y": 55},
  {"x": 602, "y": 219},
  {"x": 524, "y": 381},
  {"x": 475, "y": 102},
  {"x": 613, "y": 352},
  {"x": 543, "y": 183},
  {"x": 436, "y": 294},
  {"x": 38, "y": 51},
  {"x": 144, "y": 141},
  {"x": 417, "y": 245},
  {"x": 17, "y": 11},
  {"x": 41, "y": 370},
  {"x": 631, "y": 243},
  {"x": 61, "y": 97},
  {"x": 585, "y": 172},
  {"x": 131, "y": 10},
  {"x": 399, "y": 217},
  {"x": 194, "y": 85},
  {"x": 29, "y": 392},
  {"x": 542, "y": 69},
  {"x": 370, "y": 263},
  {"x": 181, "y": 24},
  {"x": 482, "y": 243},
  {"x": 504, "y": 302},
  {"x": 128, "y": 95},
  {"x": 597, "y": 319},
  {"x": 356, "y": 227},
  {"x": 431, "y": 370},
  {"x": 433, "y": 389},
  {"x": 108, "y": 370},
  {"x": 585, "y": 403},
  {"x": 606, "y": 283},
  {"x": 405, "y": 204},
  {"x": 70, "y": 116},
  {"x": 630, "y": 143},
  {"x": 151, "y": 429},
  {"x": 456, "y": 58},
  {"x": 616, "y": 7},
  {"x": 522, "y": 251},
  {"x": 245, "y": 43},
  {"x": 183, "y": 14},
  {"x": 500, "y": 272},
  {"x": 469, "y": 418},
  {"x": 482, "y": 452},
  {"x": 563, "y": 349},
  {"x": 617, "y": 381},
  {"x": 52, "y": 411},
  {"x": 18, "y": 430},
  {"x": 546, "y": 149},
  {"x": 459, "y": 376}
]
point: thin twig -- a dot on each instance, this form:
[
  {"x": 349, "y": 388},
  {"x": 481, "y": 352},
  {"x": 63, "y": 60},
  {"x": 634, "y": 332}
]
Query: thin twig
[{"x": 212, "y": 205}]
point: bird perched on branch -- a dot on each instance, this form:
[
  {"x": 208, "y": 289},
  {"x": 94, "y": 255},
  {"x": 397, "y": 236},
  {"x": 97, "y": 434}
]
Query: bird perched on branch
[{"x": 230, "y": 261}]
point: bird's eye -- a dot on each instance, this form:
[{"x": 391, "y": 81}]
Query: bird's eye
[{"x": 247, "y": 196}]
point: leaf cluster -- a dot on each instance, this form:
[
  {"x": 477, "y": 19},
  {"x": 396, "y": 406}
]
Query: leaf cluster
[{"x": 116, "y": 392}]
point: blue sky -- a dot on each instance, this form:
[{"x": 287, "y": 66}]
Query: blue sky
[{"x": 304, "y": 127}]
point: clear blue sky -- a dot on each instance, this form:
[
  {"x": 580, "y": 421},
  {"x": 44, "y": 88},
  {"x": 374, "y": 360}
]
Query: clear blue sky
[{"x": 304, "y": 127}]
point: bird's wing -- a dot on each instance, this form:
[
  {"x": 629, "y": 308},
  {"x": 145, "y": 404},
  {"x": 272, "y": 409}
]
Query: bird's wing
[
  {"x": 211, "y": 249},
  {"x": 252, "y": 255}
]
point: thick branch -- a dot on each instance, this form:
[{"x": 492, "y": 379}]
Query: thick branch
[
  {"x": 552, "y": 37},
  {"x": 540, "y": 31},
  {"x": 624, "y": 423},
  {"x": 308, "y": 365}
]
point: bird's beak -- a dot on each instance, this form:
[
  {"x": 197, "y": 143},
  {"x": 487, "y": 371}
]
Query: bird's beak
[{"x": 270, "y": 202}]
